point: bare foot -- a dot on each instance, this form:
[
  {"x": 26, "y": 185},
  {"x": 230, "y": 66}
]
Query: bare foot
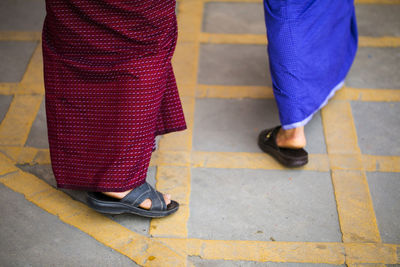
[
  {"x": 292, "y": 138},
  {"x": 146, "y": 204}
]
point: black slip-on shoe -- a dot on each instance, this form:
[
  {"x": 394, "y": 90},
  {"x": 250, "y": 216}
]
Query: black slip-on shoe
[{"x": 289, "y": 157}]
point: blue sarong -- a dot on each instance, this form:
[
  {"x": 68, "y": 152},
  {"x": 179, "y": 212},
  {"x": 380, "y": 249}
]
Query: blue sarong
[{"x": 311, "y": 46}]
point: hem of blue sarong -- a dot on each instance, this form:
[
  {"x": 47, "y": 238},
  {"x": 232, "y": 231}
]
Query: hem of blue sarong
[{"x": 306, "y": 120}]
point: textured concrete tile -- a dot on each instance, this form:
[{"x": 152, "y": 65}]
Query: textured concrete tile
[
  {"x": 38, "y": 134},
  {"x": 238, "y": 204},
  {"x": 375, "y": 68},
  {"x": 135, "y": 223},
  {"x": 378, "y": 127},
  {"x": 32, "y": 237},
  {"x": 14, "y": 58},
  {"x": 199, "y": 262},
  {"x": 242, "y": 18},
  {"x": 234, "y": 65},
  {"x": 384, "y": 189},
  {"x": 5, "y": 101},
  {"x": 22, "y": 15},
  {"x": 378, "y": 20},
  {"x": 233, "y": 125}
]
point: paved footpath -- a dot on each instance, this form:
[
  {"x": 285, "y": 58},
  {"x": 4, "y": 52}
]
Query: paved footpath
[{"x": 238, "y": 206}]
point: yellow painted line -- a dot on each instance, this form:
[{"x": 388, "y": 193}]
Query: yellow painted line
[
  {"x": 340, "y": 132},
  {"x": 365, "y": 94},
  {"x": 175, "y": 181},
  {"x": 223, "y": 91},
  {"x": 372, "y": 253},
  {"x": 32, "y": 82},
  {"x": 181, "y": 141},
  {"x": 266, "y": 92},
  {"x": 355, "y": 209},
  {"x": 225, "y": 38},
  {"x": 382, "y": 2},
  {"x": 6, "y": 165},
  {"x": 14, "y": 129},
  {"x": 190, "y": 15},
  {"x": 144, "y": 251},
  {"x": 170, "y": 158},
  {"x": 185, "y": 67},
  {"x": 19, "y": 154},
  {"x": 261, "y": 39},
  {"x": 356, "y": 213},
  {"x": 242, "y": 160},
  {"x": 346, "y": 162},
  {"x": 385, "y": 41},
  {"x": 20, "y": 36},
  {"x": 260, "y": 251},
  {"x": 381, "y": 163},
  {"x": 8, "y": 88}
]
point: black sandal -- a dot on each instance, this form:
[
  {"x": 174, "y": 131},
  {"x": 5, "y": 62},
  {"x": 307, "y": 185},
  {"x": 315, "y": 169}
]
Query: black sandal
[
  {"x": 130, "y": 203},
  {"x": 287, "y": 156}
]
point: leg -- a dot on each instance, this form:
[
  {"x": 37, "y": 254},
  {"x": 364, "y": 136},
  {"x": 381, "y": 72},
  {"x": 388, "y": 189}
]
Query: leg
[{"x": 291, "y": 138}]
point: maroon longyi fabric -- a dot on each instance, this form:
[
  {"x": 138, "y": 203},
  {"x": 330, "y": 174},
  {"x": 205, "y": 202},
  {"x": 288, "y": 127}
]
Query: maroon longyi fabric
[{"x": 110, "y": 89}]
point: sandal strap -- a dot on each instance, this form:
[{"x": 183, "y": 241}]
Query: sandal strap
[{"x": 143, "y": 192}]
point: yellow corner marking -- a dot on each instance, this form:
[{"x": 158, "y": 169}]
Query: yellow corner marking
[
  {"x": 19, "y": 154},
  {"x": 339, "y": 128},
  {"x": 6, "y": 165},
  {"x": 225, "y": 38},
  {"x": 381, "y": 163},
  {"x": 32, "y": 82},
  {"x": 20, "y": 36},
  {"x": 243, "y": 160},
  {"x": 260, "y": 251},
  {"x": 371, "y": 253},
  {"x": 8, "y": 88},
  {"x": 356, "y": 212},
  {"x": 346, "y": 162},
  {"x": 222, "y": 91},
  {"x": 175, "y": 181},
  {"x": 141, "y": 249},
  {"x": 15, "y": 127},
  {"x": 170, "y": 158}
]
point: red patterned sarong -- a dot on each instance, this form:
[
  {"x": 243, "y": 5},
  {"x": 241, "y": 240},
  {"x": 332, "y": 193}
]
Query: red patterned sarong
[{"x": 110, "y": 89}]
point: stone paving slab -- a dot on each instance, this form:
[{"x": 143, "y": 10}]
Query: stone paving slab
[
  {"x": 132, "y": 222},
  {"x": 17, "y": 56},
  {"x": 375, "y": 68},
  {"x": 233, "y": 125},
  {"x": 22, "y": 15},
  {"x": 378, "y": 20},
  {"x": 384, "y": 189},
  {"x": 242, "y": 204},
  {"x": 5, "y": 101},
  {"x": 32, "y": 237},
  {"x": 198, "y": 262},
  {"x": 240, "y": 18},
  {"x": 234, "y": 65},
  {"x": 378, "y": 127}
]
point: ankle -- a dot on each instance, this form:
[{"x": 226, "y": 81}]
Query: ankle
[
  {"x": 291, "y": 138},
  {"x": 117, "y": 195}
]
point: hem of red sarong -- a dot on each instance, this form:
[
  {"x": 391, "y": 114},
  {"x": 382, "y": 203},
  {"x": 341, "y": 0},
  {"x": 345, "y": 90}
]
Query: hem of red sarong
[
  {"x": 98, "y": 188},
  {"x": 170, "y": 130}
]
